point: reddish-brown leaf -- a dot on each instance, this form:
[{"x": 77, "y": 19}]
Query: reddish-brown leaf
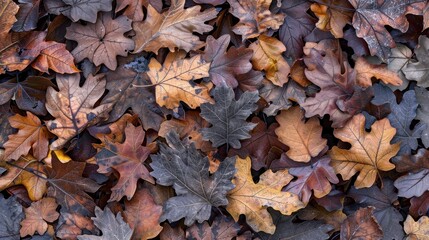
[
  {"x": 37, "y": 216},
  {"x": 361, "y": 225}
]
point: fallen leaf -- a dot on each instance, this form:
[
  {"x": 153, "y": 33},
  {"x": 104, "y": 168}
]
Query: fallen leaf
[
  {"x": 221, "y": 228},
  {"x": 370, "y": 151},
  {"x": 37, "y": 216},
  {"x": 113, "y": 228},
  {"x": 281, "y": 98},
  {"x": 79, "y": 10},
  {"x": 55, "y": 56},
  {"x": 183, "y": 167},
  {"x": 73, "y": 106},
  {"x": 418, "y": 70},
  {"x": 72, "y": 225},
  {"x": 172, "y": 28},
  {"x": 101, "y": 41},
  {"x": 228, "y": 117},
  {"x": 10, "y": 218},
  {"x": 8, "y": 10},
  {"x": 252, "y": 199},
  {"x": 225, "y": 65},
  {"x": 417, "y": 230},
  {"x": 303, "y": 138},
  {"x": 333, "y": 15},
  {"x": 169, "y": 233},
  {"x": 422, "y": 96},
  {"x": 173, "y": 80},
  {"x": 397, "y": 62},
  {"x": 267, "y": 56},
  {"x": 31, "y": 135},
  {"x": 365, "y": 71},
  {"x": 255, "y": 17},
  {"x": 133, "y": 9},
  {"x": 128, "y": 159},
  {"x": 419, "y": 205},
  {"x": 361, "y": 225},
  {"x": 27, "y": 16}
]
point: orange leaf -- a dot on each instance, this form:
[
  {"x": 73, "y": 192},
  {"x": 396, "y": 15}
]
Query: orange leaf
[
  {"x": 365, "y": 71},
  {"x": 55, "y": 56},
  {"x": 37, "y": 215}
]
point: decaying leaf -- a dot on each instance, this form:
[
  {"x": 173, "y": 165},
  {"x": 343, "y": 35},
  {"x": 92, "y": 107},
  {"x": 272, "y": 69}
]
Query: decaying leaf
[
  {"x": 183, "y": 167},
  {"x": 370, "y": 152},
  {"x": 172, "y": 28},
  {"x": 253, "y": 199},
  {"x": 228, "y": 117},
  {"x": 361, "y": 225},
  {"x": 303, "y": 138},
  {"x": 37, "y": 216},
  {"x": 73, "y": 106}
]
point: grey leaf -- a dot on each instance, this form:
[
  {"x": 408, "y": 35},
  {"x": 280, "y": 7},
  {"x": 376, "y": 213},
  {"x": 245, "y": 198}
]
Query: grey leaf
[
  {"x": 228, "y": 117},
  {"x": 187, "y": 170},
  {"x": 419, "y": 70},
  {"x": 111, "y": 227},
  {"x": 10, "y": 216},
  {"x": 423, "y": 112}
]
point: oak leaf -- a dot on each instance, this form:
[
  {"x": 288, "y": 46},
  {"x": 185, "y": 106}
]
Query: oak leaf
[
  {"x": 267, "y": 56},
  {"x": 113, "y": 228},
  {"x": 226, "y": 66},
  {"x": 69, "y": 188},
  {"x": 303, "y": 138},
  {"x": 255, "y": 17},
  {"x": 37, "y": 216},
  {"x": 417, "y": 230},
  {"x": 370, "y": 152},
  {"x": 228, "y": 117},
  {"x": 187, "y": 170},
  {"x": 173, "y": 80},
  {"x": 142, "y": 214},
  {"x": 397, "y": 62},
  {"x": 333, "y": 15},
  {"x": 78, "y": 10},
  {"x": 73, "y": 106},
  {"x": 28, "y": 172},
  {"x": 101, "y": 41},
  {"x": 365, "y": 71},
  {"x": 71, "y": 225},
  {"x": 253, "y": 200},
  {"x": 418, "y": 70},
  {"x": 361, "y": 225},
  {"x": 31, "y": 135},
  {"x": 172, "y": 28},
  {"x": 127, "y": 158}
]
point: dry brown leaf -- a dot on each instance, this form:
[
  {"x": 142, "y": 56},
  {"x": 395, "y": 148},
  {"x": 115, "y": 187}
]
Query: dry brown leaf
[
  {"x": 173, "y": 28},
  {"x": 417, "y": 230},
  {"x": 253, "y": 199},
  {"x": 333, "y": 18},
  {"x": 267, "y": 56},
  {"x": 370, "y": 151},
  {"x": 8, "y": 9},
  {"x": 31, "y": 135},
  {"x": 37, "y": 216},
  {"x": 73, "y": 106},
  {"x": 365, "y": 71},
  {"x": 55, "y": 56},
  {"x": 303, "y": 138},
  {"x": 173, "y": 80},
  {"x": 361, "y": 225}
]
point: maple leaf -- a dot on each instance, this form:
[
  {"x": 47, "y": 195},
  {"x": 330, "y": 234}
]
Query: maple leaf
[
  {"x": 221, "y": 228},
  {"x": 226, "y": 65},
  {"x": 29, "y": 94},
  {"x": 397, "y": 62},
  {"x": 401, "y": 117},
  {"x": 418, "y": 70},
  {"x": 10, "y": 218},
  {"x": 333, "y": 15},
  {"x": 69, "y": 188},
  {"x": 370, "y": 19},
  {"x": 281, "y": 98},
  {"x": 255, "y": 17},
  {"x": 101, "y": 41},
  {"x": 303, "y": 138},
  {"x": 317, "y": 176},
  {"x": 297, "y": 24},
  {"x": 417, "y": 230},
  {"x": 37, "y": 216},
  {"x": 183, "y": 167},
  {"x": 268, "y": 56},
  {"x": 252, "y": 199},
  {"x": 73, "y": 105},
  {"x": 173, "y": 28},
  {"x": 286, "y": 228},
  {"x": 78, "y": 9},
  {"x": 383, "y": 200},
  {"x": 113, "y": 228},
  {"x": 71, "y": 225},
  {"x": 263, "y": 146},
  {"x": 142, "y": 214},
  {"x": 28, "y": 172},
  {"x": 365, "y": 71},
  {"x": 31, "y": 135},
  {"x": 361, "y": 225},
  {"x": 173, "y": 80},
  {"x": 339, "y": 96},
  {"x": 127, "y": 158},
  {"x": 370, "y": 152},
  {"x": 228, "y": 117}
]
